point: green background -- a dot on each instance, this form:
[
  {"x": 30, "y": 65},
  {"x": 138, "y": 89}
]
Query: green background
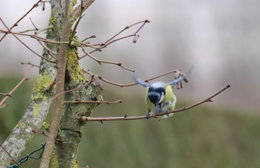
[{"x": 206, "y": 136}]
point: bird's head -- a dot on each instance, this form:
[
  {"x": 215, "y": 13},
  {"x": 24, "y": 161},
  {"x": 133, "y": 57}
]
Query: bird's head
[{"x": 156, "y": 92}]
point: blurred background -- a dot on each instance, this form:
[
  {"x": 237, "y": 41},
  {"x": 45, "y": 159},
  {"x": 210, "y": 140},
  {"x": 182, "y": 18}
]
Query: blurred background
[{"x": 219, "y": 38}]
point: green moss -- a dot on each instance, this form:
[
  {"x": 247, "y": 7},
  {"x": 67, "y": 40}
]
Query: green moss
[
  {"x": 21, "y": 125},
  {"x": 42, "y": 86},
  {"x": 76, "y": 73},
  {"x": 54, "y": 161},
  {"x": 75, "y": 164},
  {"x": 53, "y": 19},
  {"x": 46, "y": 126},
  {"x": 73, "y": 2},
  {"x": 36, "y": 109}
]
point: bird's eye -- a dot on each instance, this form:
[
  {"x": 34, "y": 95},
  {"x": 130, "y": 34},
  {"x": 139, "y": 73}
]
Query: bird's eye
[
  {"x": 150, "y": 89},
  {"x": 160, "y": 90}
]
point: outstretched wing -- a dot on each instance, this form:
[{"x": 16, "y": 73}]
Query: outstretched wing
[
  {"x": 181, "y": 78},
  {"x": 141, "y": 82}
]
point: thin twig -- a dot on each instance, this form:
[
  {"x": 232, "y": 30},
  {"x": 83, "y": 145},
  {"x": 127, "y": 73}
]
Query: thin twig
[
  {"x": 134, "y": 83},
  {"x": 101, "y": 119},
  {"x": 3, "y": 106},
  {"x": 107, "y": 62},
  {"x": 78, "y": 10},
  {"x": 87, "y": 38},
  {"x": 29, "y": 63},
  {"x": 12, "y": 158},
  {"x": 77, "y": 23},
  {"x": 114, "y": 39},
  {"x": 51, "y": 52},
  {"x": 9, "y": 94},
  {"x": 16, "y": 23},
  {"x": 127, "y": 27},
  {"x": 25, "y": 44},
  {"x": 98, "y": 102},
  {"x": 4, "y": 94},
  {"x": 33, "y": 24},
  {"x": 74, "y": 89}
]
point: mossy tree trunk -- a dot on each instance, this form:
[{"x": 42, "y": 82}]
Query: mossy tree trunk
[{"x": 44, "y": 88}]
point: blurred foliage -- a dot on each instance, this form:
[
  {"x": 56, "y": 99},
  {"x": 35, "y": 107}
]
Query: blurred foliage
[{"x": 207, "y": 136}]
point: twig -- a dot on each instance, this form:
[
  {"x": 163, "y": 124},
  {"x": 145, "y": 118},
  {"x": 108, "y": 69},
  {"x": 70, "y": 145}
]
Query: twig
[
  {"x": 16, "y": 23},
  {"x": 51, "y": 52},
  {"x": 74, "y": 89},
  {"x": 134, "y": 83},
  {"x": 107, "y": 62},
  {"x": 3, "y": 106},
  {"x": 12, "y": 158},
  {"x": 29, "y": 63},
  {"x": 9, "y": 94},
  {"x": 4, "y": 94},
  {"x": 98, "y": 102},
  {"x": 33, "y": 24},
  {"x": 76, "y": 13},
  {"x": 114, "y": 39},
  {"x": 127, "y": 27},
  {"x": 25, "y": 44},
  {"x": 77, "y": 23},
  {"x": 87, "y": 38},
  {"x": 101, "y": 119}
]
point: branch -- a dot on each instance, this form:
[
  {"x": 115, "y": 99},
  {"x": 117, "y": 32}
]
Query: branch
[
  {"x": 101, "y": 119},
  {"x": 113, "y": 39},
  {"x": 106, "y": 62},
  {"x": 25, "y": 44},
  {"x": 31, "y": 64},
  {"x": 16, "y": 23},
  {"x": 9, "y": 94},
  {"x": 74, "y": 89},
  {"x": 76, "y": 13},
  {"x": 58, "y": 108},
  {"x": 134, "y": 83},
  {"x": 98, "y": 102}
]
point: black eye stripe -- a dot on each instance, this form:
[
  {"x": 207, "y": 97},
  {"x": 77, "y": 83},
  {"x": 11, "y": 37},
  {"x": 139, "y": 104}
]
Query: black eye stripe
[{"x": 158, "y": 90}]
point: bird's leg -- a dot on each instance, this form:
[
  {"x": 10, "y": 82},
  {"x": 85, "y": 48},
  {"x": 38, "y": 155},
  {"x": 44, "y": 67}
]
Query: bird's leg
[
  {"x": 167, "y": 113},
  {"x": 147, "y": 115}
]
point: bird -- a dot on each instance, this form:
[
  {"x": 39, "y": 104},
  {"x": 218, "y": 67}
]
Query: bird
[{"x": 160, "y": 97}]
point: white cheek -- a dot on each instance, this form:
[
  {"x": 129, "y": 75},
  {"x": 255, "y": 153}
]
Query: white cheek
[{"x": 161, "y": 99}]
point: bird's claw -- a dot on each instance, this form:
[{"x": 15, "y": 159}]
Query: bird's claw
[{"x": 147, "y": 116}]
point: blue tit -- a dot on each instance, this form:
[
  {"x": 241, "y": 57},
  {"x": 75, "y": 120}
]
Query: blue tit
[{"x": 160, "y": 96}]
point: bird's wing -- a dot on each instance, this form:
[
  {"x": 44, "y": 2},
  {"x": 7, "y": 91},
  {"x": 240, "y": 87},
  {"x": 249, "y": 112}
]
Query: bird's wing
[
  {"x": 182, "y": 77},
  {"x": 141, "y": 82}
]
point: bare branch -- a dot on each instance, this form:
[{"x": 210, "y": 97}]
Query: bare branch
[
  {"x": 77, "y": 23},
  {"x": 87, "y": 38},
  {"x": 134, "y": 83},
  {"x": 101, "y": 119},
  {"x": 29, "y": 63},
  {"x": 9, "y": 94},
  {"x": 74, "y": 89},
  {"x": 107, "y": 62},
  {"x": 16, "y": 23},
  {"x": 12, "y": 158},
  {"x": 25, "y": 44},
  {"x": 36, "y": 29},
  {"x": 76, "y": 13},
  {"x": 113, "y": 39},
  {"x": 127, "y": 27},
  {"x": 98, "y": 102}
]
